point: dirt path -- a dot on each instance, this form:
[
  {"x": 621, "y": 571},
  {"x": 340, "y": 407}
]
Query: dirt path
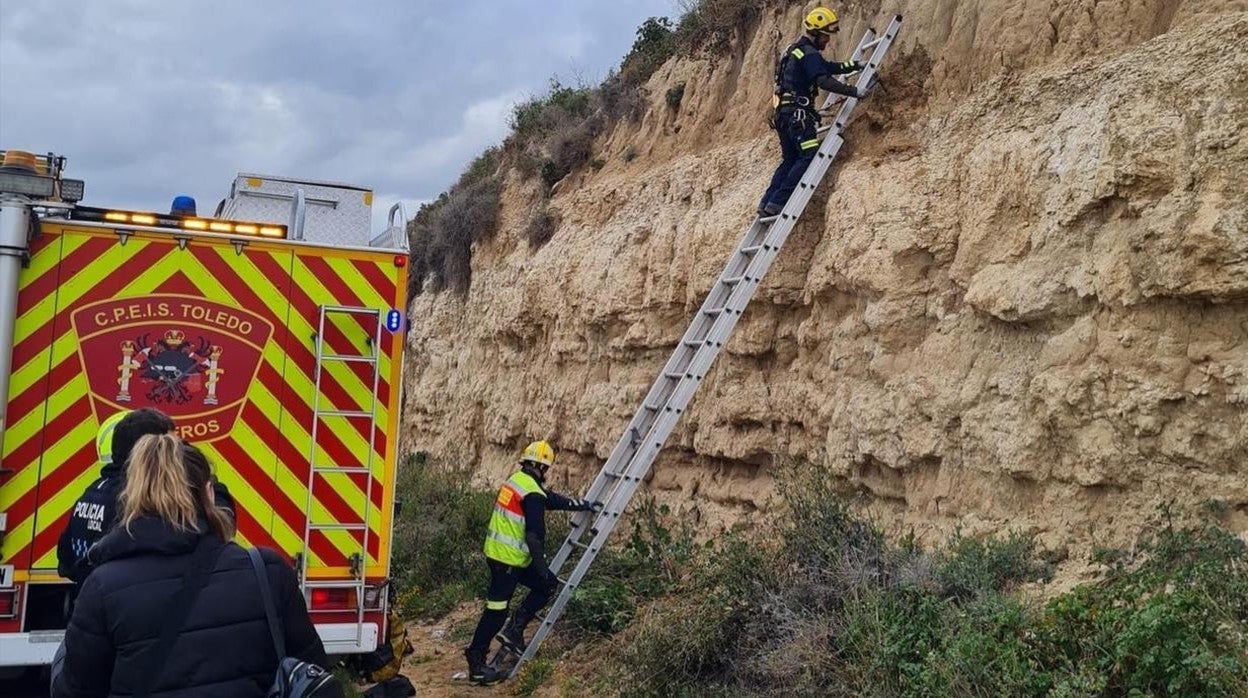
[{"x": 436, "y": 667}]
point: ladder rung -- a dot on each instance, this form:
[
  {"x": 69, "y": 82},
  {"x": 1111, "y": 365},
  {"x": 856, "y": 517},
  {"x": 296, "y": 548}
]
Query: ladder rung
[
  {"x": 751, "y": 249},
  {"x": 349, "y": 358},
  {"x": 713, "y": 311},
  {"x": 872, "y": 44},
  {"x": 336, "y": 585},
  {"x": 345, "y": 413},
  {"x": 347, "y": 310},
  {"x": 338, "y": 527},
  {"x": 349, "y": 470},
  {"x": 674, "y": 374},
  {"x": 578, "y": 544},
  {"x": 734, "y": 279},
  {"x": 652, "y": 408},
  {"x": 768, "y": 219},
  {"x": 693, "y": 343}
]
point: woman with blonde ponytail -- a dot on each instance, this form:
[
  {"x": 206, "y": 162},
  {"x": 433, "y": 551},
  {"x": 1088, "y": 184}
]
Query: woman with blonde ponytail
[
  {"x": 172, "y": 605},
  {"x": 172, "y": 481}
]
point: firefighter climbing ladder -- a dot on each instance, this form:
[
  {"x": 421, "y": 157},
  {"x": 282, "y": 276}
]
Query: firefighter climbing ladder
[
  {"x": 709, "y": 331},
  {"x": 359, "y": 560}
]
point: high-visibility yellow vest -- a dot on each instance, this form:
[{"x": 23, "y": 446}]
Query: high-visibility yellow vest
[
  {"x": 104, "y": 437},
  {"x": 505, "y": 539}
]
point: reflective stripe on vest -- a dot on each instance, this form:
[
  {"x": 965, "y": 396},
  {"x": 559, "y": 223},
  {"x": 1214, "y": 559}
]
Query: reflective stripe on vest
[{"x": 504, "y": 541}]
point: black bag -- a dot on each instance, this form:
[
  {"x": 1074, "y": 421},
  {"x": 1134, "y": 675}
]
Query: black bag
[
  {"x": 295, "y": 677},
  {"x": 394, "y": 687}
]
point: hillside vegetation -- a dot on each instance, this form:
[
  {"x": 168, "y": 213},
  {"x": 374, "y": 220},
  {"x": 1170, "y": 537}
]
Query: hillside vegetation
[{"x": 820, "y": 602}]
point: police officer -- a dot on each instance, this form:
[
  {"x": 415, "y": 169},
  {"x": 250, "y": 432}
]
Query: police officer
[
  {"x": 802, "y": 70},
  {"x": 515, "y": 552},
  {"x": 95, "y": 512}
]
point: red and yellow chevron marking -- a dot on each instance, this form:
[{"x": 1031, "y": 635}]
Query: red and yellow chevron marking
[{"x": 265, "y": 457}]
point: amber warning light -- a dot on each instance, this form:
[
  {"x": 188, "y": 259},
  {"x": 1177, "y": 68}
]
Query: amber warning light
[{"x": 159, "y": 220}]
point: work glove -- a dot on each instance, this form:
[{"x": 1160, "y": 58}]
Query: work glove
[
  {"x": 852, "y": 66},
  {"x": 586, "y": 505},
  {"x": 540, "y": 569}
]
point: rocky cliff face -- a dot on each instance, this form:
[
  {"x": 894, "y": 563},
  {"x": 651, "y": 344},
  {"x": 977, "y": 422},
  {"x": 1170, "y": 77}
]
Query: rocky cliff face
[{"x": 1020, "y": 299}]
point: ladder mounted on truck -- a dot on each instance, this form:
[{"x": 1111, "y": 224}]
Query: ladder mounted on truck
[
  {"x": 708, "y": 333},
  {"x": 316, "y": 520}
]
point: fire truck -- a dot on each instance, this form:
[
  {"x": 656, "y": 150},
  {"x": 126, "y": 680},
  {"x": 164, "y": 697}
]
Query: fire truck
[{"x": 271, "y": 332}]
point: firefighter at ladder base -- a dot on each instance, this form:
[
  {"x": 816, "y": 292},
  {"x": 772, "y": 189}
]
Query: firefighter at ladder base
[
  {"x": 515, "y": 552},
  {"x": 801, "y": 71}
]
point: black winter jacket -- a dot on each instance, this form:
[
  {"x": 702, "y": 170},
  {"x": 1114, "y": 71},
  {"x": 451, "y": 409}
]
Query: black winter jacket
[{"x": 224, "y": 648}]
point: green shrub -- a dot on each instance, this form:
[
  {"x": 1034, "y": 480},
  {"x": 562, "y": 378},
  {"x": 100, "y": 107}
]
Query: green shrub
[
  {"x": 541, "y": 228},
  {"x": 621, "y": 100},
  {"x": 823, "y": 604},
  {"x": 652, "y": 561},
  {"x": 552, "y": 136},
  {"x": 709, "y": 25},
  {"x": 675, "y": 94},
  {"x": 974, "y": 566},
  {"x": 533, "y": 675},
  {"x": 540, "y": 115},
  {"x": 1170, "y": 619},
  {"x": 443, "y": 231},
  {"x": 437, "y": 559},
  {"x": 654, "y": 45}
]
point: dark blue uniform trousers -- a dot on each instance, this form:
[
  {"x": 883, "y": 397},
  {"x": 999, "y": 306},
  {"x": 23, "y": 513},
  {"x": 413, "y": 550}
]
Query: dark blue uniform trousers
[{"x": 799, "y": 141}]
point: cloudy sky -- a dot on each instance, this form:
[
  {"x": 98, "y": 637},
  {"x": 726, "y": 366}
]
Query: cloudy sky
[{"x": 151, "y": 98}]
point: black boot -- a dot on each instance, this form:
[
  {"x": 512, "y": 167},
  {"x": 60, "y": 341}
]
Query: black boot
[
  {"x": 512, "y": 636},
  {"x": 479, "y": 671}
]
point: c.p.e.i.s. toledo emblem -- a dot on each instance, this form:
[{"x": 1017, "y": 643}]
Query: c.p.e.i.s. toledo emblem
[{"x": 191, "y": 358}]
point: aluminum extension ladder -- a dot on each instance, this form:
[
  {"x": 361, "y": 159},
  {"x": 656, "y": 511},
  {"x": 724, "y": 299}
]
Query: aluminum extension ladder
[
  {"x": 709, "y": 331},
  {"x": 358, "y": 560}
]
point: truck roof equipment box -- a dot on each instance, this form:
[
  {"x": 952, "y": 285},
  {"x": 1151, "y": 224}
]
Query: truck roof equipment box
[{"x": 336, "y": 213}]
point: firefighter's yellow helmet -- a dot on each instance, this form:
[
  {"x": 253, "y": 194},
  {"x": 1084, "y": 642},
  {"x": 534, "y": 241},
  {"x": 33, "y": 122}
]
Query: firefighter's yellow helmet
[
  {"x": 104, "y": 437},
  {"x": 821, "y": 20},
  {"x": 538, "y": 452}
]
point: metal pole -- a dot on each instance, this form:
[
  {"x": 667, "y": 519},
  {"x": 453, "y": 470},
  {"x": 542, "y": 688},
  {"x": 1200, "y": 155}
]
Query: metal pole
[
  {"x": 14, "y": 225},
  {"x": 398, "y": 232},
  {"x": 298, "y": 212}
]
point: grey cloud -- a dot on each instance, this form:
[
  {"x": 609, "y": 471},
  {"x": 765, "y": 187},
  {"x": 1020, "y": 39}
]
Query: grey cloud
[{"x": 149, "y": 99}]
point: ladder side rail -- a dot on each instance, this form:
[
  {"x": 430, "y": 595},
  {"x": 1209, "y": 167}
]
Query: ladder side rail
[
  {"x": 641, "y": 462},
  {"x": 864, "y": 78},
  {"x": 739, "y": 296},
  {"x": 660, "y": 390},
  {"x": 777, "y": 233},
  {"x": 608, "y": 518},
  {"x": 305, "y": 558},
  {"x": 369, "y": 478},
  {"x": 880, "y": 47},
  {"x": 761, "y": 263},
  {"x": 856, "y": 56}
]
